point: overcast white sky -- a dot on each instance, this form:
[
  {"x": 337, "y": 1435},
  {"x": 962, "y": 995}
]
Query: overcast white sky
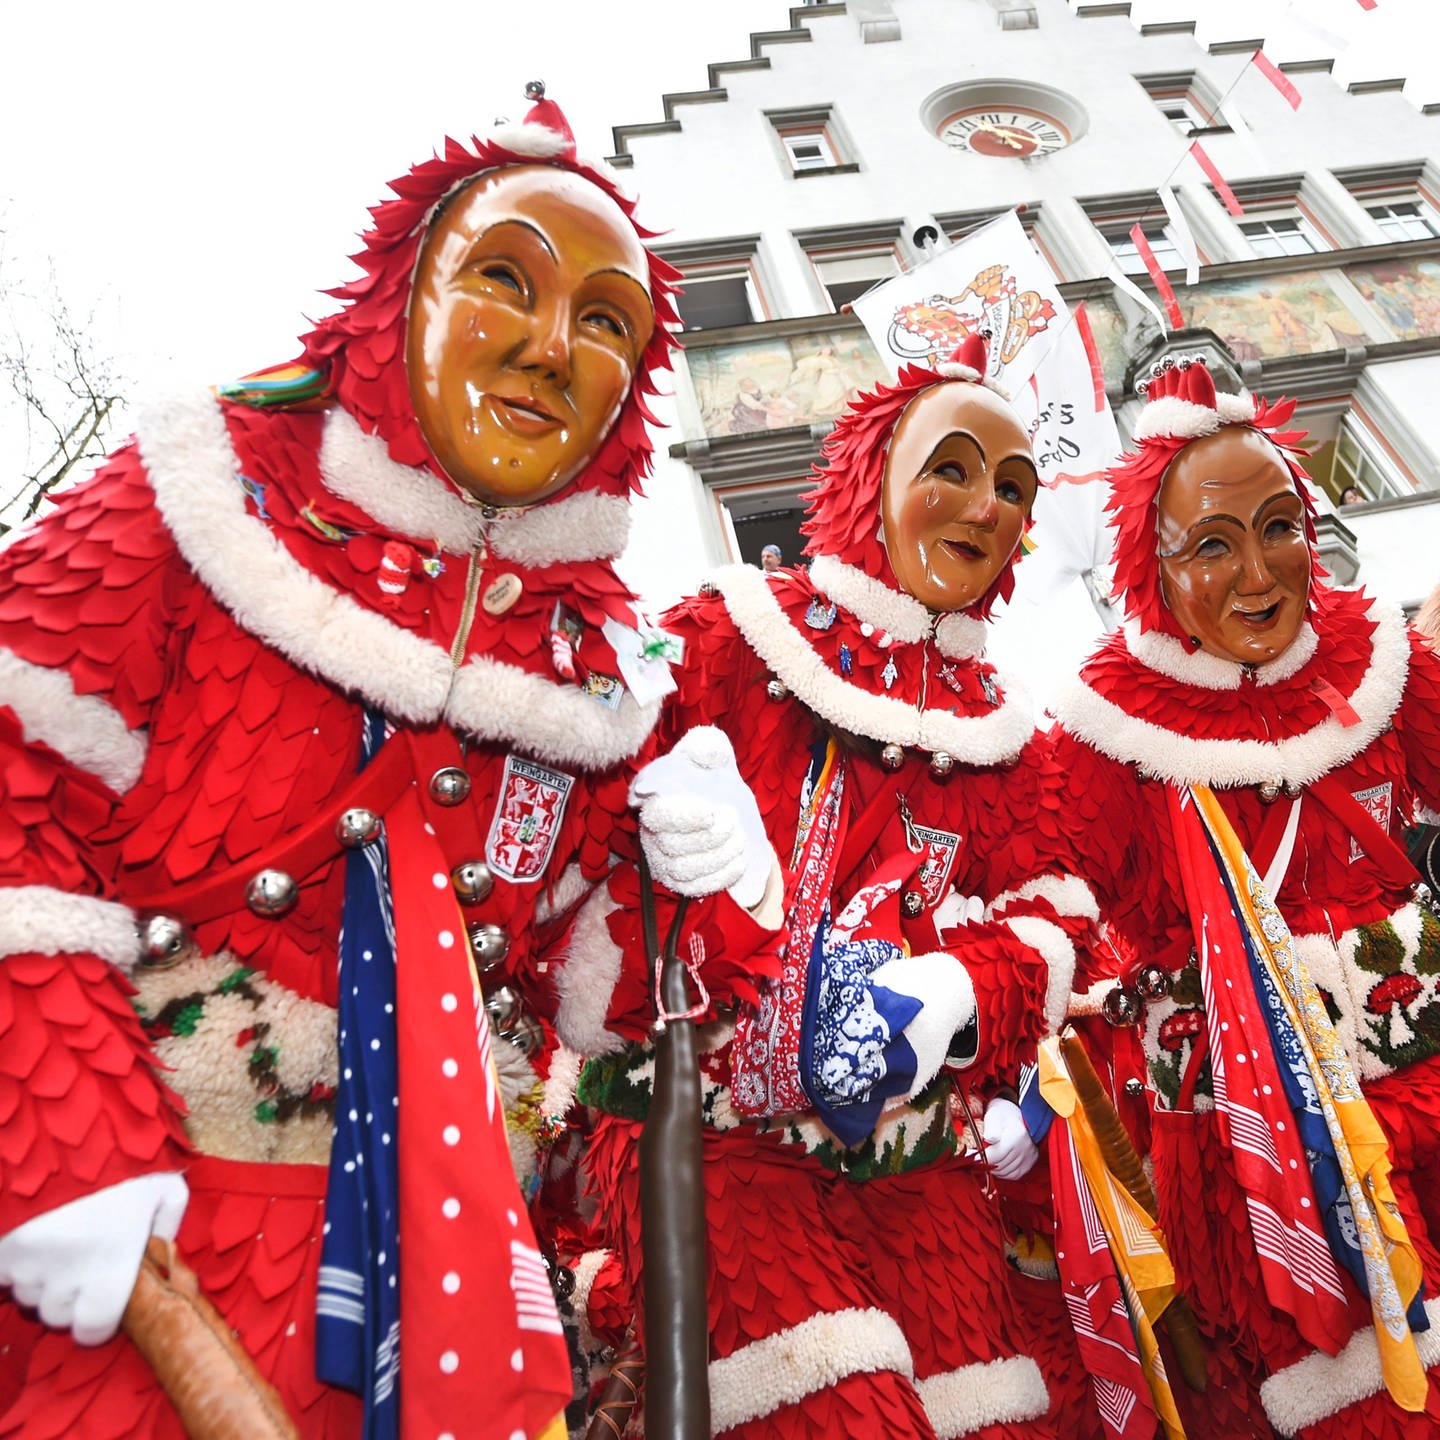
[{"x": 197, "y": 173}]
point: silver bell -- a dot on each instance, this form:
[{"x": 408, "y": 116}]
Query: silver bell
[
  {"x": 164, "y": 941},
  {"x": 1153, "y": 982},
  {"x": 709, "y": 589},
  {"x": 1291, "y": 789},
  {"x": 471, "y": 882},
  {"x": 892, "y": 757},
  {"x": 912, "y": 902},
  {"x": 271, "y": 894},
  {"x": 449, "y": 786},
  {"x": 501, "y": 1005},
  {"x": 941, "y": 764},
  {"x": 1122, "y": 1006},
  {"x": 490, "y": 944},
  {"x": 1269, "y": 791},
  {"x": 777, "y": 690},
  {"x": 357, "y": 827},
  {"x": 1134, "y": 1088}
]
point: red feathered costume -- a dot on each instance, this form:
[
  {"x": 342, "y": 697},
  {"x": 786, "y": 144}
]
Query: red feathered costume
[
  {"x": 193, "y": 639},
  {"x": 862, "y": 1290},
  {"x": 1341, "y": 733}
]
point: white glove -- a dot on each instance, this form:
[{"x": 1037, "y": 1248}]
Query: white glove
[
  {"x": 77, "y": 1264},
  {"x": 947, "y": 998},
  {"x": 1009, "y": 1150},
  {"x": 699, "y": 823},
  {"x": 957, "y": 910}
]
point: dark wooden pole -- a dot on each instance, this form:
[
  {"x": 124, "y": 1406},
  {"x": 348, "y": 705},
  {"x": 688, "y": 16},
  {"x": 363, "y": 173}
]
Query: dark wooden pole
[{"x": 672, "y": 1210}]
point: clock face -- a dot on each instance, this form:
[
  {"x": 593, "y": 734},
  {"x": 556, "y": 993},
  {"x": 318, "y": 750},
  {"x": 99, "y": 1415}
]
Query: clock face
[{"x": 1004, "y": 132}]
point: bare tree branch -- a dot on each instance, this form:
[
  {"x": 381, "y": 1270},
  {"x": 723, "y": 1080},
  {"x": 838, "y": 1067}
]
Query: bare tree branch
[{"x": 63, "y": 389}]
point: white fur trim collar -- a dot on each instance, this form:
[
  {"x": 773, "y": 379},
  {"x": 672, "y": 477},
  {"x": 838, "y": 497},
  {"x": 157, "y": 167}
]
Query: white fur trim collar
[
  {"x": 768, "y": 1374},
  {"x": 1297, "y": 760},
  {"x": 995, "y": 738},
  {"x": 1168, "y": 656},
  {"x": 89, "y": 732},
  {"x": 358, "y": 468},
  {"x": 958, "y": 636},
  {"x": 191, "y": 464}
]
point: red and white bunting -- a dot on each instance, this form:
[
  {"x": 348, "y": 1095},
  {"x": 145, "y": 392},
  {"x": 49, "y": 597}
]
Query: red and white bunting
[
  {"x": 1277, "y": 77},
  {"x": 1232, "y": 204},
  {"x": 1162, "y": 283}
]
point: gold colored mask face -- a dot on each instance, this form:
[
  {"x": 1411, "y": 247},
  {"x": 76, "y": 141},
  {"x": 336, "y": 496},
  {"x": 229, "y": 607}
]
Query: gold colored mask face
[
  {"x": 959, "y": 485},
  {"x": 1234, "y": 562},
  {"x": 529, "y": 313}
]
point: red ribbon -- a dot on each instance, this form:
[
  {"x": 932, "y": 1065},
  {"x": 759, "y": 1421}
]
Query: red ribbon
[
  {"x": 1272, "y": 72},
  {"x": 1092, "y": 354},
  {"x": 1162, "y": 284},
  {"x": 1216, "y": 178}
]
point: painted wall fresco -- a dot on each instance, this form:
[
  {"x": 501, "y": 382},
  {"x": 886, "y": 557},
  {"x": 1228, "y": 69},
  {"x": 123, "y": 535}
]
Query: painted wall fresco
[
  {"x": 774, "y": 383},
  {"x": 1405, "y": 294},
  {"x": 1295, "y": 314}
]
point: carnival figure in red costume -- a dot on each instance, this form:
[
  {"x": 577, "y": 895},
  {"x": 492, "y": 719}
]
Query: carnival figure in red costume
[
  {"x": 857, "y": 1280},
  {"x": 1241, "y": 758},
  {"x": 328, "y": 682}
]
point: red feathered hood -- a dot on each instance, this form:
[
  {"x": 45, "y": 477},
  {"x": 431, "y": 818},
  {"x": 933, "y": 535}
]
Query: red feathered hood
[
  {"x": 361, "y": 347},
  {"x": 1182, "y": 406},
  {"x": 844, "y": 507}
]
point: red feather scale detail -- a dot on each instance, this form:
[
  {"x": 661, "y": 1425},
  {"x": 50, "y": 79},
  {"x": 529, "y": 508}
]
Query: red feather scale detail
[{"x": 1272, "y": 711}]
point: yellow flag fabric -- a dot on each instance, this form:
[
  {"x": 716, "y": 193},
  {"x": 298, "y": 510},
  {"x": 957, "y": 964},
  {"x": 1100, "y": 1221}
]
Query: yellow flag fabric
[{"x": 1136, "y": 1245}]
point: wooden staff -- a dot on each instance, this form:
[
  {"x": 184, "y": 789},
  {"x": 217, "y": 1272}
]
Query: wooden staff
[
  {"x": 621, "y": 1393},
  {"x": 1120, "y": 1157},
  {"x": 672, "y": 1205},
  {"x": 200, "y": 1365}
]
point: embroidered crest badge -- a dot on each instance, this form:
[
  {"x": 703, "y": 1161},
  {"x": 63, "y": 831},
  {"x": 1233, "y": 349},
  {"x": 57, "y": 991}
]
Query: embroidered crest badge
[
  {"x": 527, "y": 819},
  {"x": 942, "y": 846},
  {"x": 1378, "y": 802}
]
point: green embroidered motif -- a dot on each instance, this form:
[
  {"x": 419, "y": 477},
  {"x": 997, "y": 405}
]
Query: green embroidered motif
[
  {"x": 234, "y": 980},
  {"x": 1400, "y": 1021},
  {"x": 186, "y": 1018},
  {"x": 1379, "y": 949},
  {"x": 610, "y": 1084}
]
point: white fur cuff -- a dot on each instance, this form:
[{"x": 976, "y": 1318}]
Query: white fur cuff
[
  {"x": 87, "y": 731},
  {"x": 1058, "y": 952},
  {"x": 1068, "y": 895},
  {"x": 45, "y": 921},
  {"x": 1321, "y": 1385},
  {"x": 998, "y": 1393},
  {"x": 783, "y": 1369},
  {"x": 588, "y": 975}
]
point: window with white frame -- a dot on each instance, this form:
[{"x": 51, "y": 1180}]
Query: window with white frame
[
  {"x": 1187, "y": 100},
  {"x": 846, "y": 276},
  {"x": 1127, "y": 253},
  {"x": 1361, "y": 463},
  {"x": 1291, "y": 234},
  {"x": 812, "y": 138},
  {"x": 808, "y": 150},
  {"x": 1406, "y": 219},
  {"x": 726, "y": 296}
]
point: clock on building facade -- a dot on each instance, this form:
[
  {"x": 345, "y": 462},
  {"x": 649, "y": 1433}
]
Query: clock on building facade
[
  {"x": 1004, "y": 132},
  {"x": 1004, "y": 119}
]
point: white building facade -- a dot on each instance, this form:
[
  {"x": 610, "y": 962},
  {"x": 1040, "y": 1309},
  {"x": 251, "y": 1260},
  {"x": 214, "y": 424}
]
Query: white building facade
[{"x": 846, "y": 144}]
